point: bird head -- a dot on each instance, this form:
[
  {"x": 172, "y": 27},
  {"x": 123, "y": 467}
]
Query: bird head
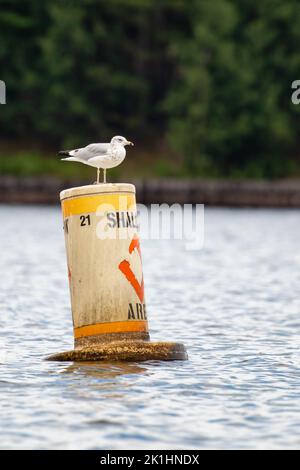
[{"x": 119, "y": 140}]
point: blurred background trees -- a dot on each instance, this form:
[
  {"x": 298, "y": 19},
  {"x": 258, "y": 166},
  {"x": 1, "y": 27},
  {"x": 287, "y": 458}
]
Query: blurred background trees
[{"x": 204, "y": 85}]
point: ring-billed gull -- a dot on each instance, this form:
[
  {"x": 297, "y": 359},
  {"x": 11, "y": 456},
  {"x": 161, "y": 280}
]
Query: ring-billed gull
[{"x": 100, "y": 155}]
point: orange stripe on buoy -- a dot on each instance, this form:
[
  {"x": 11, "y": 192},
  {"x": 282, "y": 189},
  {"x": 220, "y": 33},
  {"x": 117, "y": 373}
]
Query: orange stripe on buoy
[
  {"x": 90, "y": 204},
  {"x": 111, "y": 327}
]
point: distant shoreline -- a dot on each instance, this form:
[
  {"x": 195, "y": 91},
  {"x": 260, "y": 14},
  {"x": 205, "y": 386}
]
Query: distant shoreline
[{"x": 280, "y": 193}]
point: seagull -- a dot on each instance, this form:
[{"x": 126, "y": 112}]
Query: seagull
[{"x": 100, "y": 156}]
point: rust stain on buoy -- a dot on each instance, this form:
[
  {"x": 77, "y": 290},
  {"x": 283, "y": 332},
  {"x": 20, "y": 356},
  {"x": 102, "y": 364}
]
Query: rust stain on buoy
[{"x": 106, "y": 278}]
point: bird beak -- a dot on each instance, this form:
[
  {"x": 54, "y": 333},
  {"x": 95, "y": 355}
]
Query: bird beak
[{"x": 130, "y": 143}]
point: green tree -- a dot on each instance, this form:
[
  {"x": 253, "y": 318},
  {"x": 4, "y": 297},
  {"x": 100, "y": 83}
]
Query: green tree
[
  {"x": 230, "y": 108},
  {"x": 217, "y": 75},
  {"x": 86, "y": 69}
]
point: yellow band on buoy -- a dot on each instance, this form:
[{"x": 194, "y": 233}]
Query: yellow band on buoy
[
  {"x": 90, "y": 204},
  {"x": 111, "y": 327}
]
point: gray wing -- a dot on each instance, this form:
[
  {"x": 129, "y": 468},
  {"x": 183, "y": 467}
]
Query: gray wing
[{"x": 90, "y": 151}]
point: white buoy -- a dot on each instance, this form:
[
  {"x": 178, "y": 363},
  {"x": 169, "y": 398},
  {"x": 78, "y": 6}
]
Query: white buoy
[{"x": 106, "y": 277}]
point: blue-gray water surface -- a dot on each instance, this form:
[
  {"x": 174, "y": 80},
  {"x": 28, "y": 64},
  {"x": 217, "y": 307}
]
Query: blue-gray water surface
[{"x": 235, "y": 305}]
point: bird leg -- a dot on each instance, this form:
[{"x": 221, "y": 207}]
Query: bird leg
[
  {"x": 104, "y": 175},
  {"x": 98, "y": 175}
]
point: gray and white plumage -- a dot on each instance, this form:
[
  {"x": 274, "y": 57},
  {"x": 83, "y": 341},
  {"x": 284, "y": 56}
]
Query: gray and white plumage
[{"x": 101, "y": 156}]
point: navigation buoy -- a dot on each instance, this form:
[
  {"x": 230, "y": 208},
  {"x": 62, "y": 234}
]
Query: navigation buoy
[{"x": 106, "y": 278}]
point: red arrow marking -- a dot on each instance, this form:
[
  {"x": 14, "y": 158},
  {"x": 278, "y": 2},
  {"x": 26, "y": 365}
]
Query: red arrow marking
[{"x": 125, "y": 268}]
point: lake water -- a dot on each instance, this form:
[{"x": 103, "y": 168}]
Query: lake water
[{"x": 235, "y": 305}]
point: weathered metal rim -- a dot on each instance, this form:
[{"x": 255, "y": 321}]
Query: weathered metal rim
[{"x": 127, "y": 351}]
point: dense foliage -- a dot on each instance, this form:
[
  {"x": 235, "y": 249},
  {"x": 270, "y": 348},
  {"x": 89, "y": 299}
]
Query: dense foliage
[{"x": 212, "y": 78}]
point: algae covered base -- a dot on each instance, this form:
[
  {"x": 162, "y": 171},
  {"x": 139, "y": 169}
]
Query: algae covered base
[{"x": 133, "y": 351}]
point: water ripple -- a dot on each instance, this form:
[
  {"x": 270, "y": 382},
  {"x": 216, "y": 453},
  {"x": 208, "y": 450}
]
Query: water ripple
[{"x": 235, "y": 305}]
